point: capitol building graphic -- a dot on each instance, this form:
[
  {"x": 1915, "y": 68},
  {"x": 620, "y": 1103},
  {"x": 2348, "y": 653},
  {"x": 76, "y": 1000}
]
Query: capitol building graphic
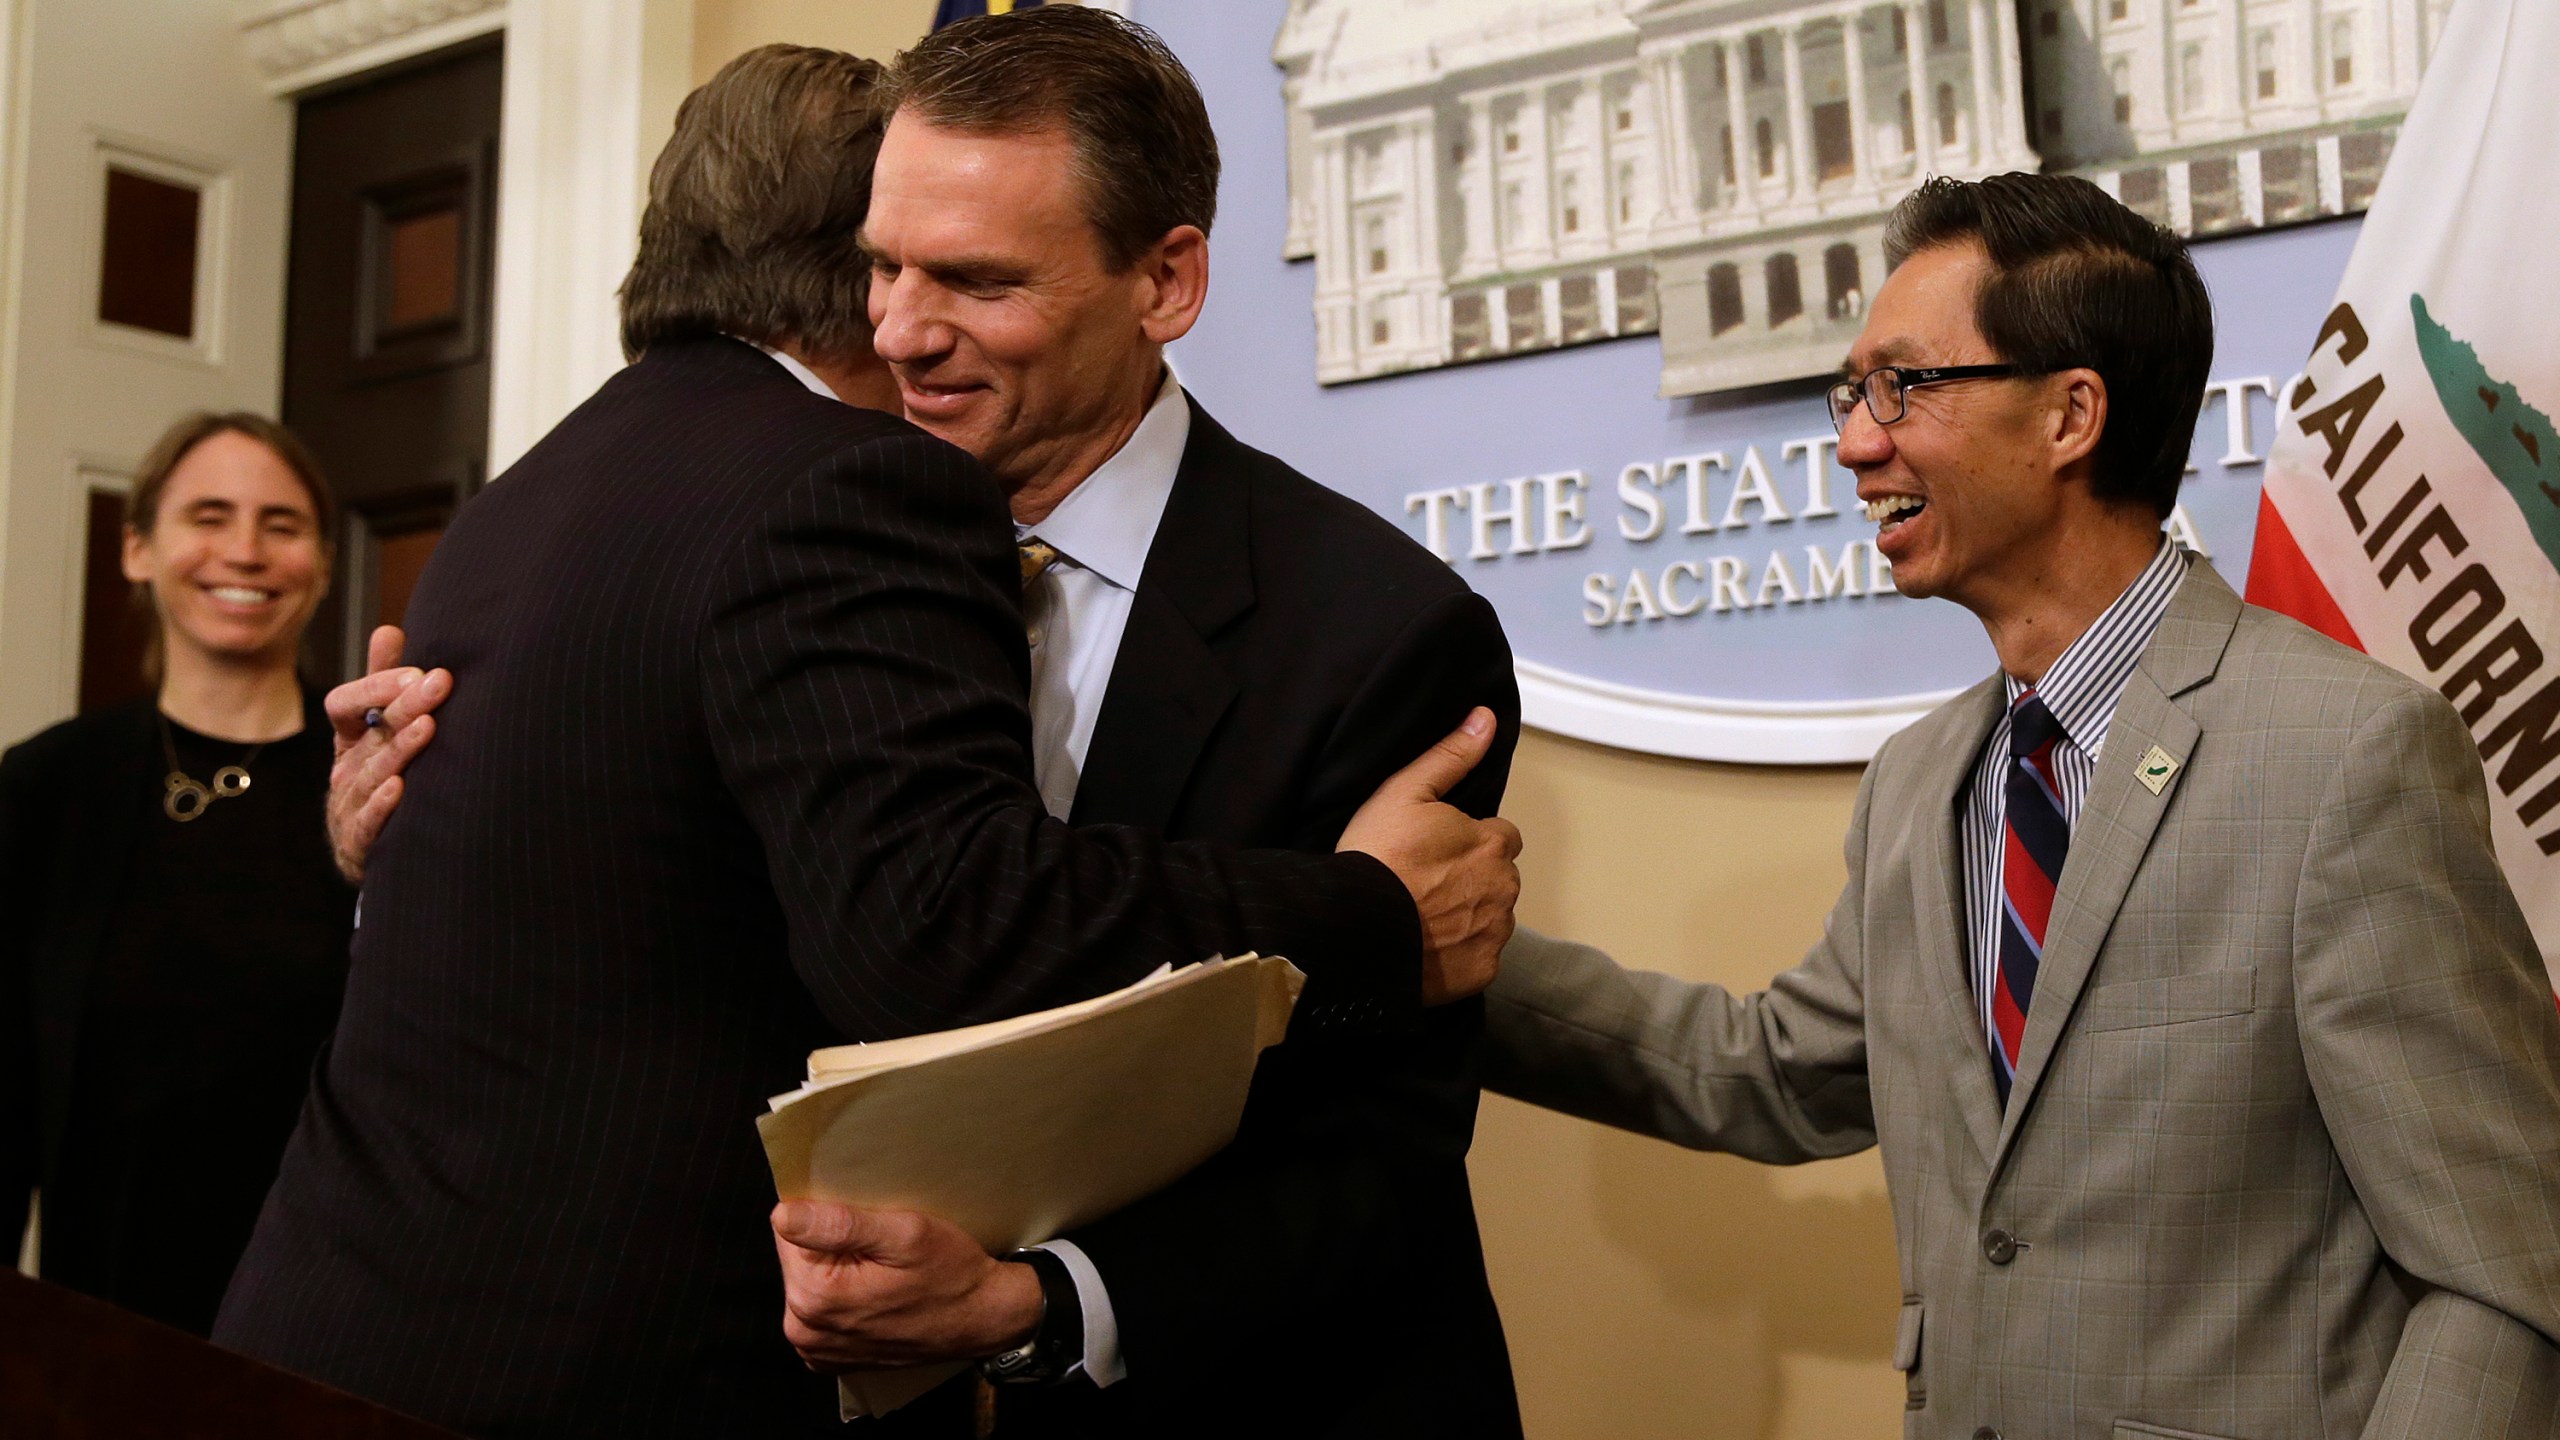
[{"x": 1477, "y": 178}]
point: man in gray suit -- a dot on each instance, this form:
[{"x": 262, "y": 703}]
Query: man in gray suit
[{"x": 2216, "y": 1074}]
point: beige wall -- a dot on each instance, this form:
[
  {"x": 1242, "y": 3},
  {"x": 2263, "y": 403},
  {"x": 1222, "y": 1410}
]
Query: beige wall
[
  {"x": 1648, "y": 1292},
  {"x": 876, "y": 29}
]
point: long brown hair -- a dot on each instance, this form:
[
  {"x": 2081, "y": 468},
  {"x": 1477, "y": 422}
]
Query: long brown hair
[{"x": 151, "y": 481}]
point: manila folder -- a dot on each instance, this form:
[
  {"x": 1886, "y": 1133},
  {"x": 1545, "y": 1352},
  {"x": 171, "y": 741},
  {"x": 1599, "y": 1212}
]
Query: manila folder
[{"x": 1024, "y": 1129}]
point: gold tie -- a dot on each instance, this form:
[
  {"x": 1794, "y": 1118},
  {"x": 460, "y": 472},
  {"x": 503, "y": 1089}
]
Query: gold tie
[{"x": 1037, "y": 556}]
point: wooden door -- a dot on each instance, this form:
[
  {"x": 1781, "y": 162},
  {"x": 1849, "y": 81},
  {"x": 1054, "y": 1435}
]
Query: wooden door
[
  {"x": 114, "y": 630},
  {"x": 386, "y": 371}
]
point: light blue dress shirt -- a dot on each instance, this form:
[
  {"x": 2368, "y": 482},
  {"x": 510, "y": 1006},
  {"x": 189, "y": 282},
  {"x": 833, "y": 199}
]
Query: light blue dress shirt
[
  {"x": 1076, "y": 613},
  {"x": 1078, "y": 609}
]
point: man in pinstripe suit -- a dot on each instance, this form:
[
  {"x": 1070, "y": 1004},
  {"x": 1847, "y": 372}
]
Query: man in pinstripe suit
[
  {"x": 2215, "y": 1072},
  {"x": 735, "y": 764},
  {"x": 1221, "y": 649}
]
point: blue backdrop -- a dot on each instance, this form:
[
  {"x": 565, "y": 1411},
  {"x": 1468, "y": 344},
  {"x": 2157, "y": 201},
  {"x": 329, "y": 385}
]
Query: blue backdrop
[{"x": 1595, "y": 409}]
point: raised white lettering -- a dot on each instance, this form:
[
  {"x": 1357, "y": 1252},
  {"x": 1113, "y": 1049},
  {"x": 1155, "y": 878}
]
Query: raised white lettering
[
  {"x": 1725, "y": 577},
  {"x": 1599, "y": 600},
  {"x": 1483, "y": 517},
  {"x": 1434, "y": 505},
  {"x": 1751, "y": 482},
  {"x": 1693, "y": 469},
  {"x": 1672, "y": 604},
  {"x": 1816, "y": 450},
  {"x": 1636, "y": 601},
  {"x": 2235, "y": 407},
  {"x": 1566, "y": 490},
  {"x": 1637, "y": 492},
  {"x": 1822, "y": 579},
  {"x": 1781, "y": 578},
  {"x": 2182, "y": 528}
]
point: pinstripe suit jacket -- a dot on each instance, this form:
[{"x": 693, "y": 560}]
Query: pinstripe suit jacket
[
  {"x": 2283, "y": 1159},
  {"x": 735, "y": 766}
]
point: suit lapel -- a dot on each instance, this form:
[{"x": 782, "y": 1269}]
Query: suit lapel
[
  {"x": 1168, "y": 687},
  {"x": 2121, "y": 815},
  {"x": 1937, "y": 899}
]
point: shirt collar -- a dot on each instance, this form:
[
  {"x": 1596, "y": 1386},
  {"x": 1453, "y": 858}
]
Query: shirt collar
[
  {"x": 2088, "y": 678},
  {"x": 801, "y": 373},
  {"x": 1108, "y": 522}
]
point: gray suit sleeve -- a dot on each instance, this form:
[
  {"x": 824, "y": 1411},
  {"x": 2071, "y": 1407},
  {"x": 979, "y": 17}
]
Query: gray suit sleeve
[
  {"x": 1780, "y": 1076},
  {"x": 2433, "y": 1046}
]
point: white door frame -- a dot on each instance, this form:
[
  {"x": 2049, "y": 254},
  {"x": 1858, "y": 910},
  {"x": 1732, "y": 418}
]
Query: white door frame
[{"x": 13, "y": 229}]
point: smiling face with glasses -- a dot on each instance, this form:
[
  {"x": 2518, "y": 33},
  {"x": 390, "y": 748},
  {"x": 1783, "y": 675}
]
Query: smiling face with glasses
[
  {"x": 1885, "y": 388},
  {"x": 1963, "y": 459}
]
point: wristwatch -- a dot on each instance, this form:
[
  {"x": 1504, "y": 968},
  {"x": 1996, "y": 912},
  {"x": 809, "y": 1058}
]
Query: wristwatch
[{"x": 1055, "y": 1350}]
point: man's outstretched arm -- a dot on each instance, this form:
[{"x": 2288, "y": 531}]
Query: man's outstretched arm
[{"x": 1779, "y": 1076}]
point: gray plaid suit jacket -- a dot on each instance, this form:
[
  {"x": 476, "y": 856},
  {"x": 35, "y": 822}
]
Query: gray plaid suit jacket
[{"x": 2284, "y": 1154}]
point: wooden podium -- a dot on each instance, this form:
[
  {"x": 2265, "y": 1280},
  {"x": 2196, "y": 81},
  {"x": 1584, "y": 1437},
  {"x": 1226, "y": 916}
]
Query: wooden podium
[{"x": 73, "y": 1368}]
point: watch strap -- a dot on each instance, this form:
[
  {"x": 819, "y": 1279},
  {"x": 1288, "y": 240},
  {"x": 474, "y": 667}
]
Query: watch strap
[{"x": 1055, "y": 1350}]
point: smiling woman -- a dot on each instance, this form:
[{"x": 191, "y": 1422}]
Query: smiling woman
[
  {"x": 173, "y": 908},
  {"x": 228, "y": 546}
]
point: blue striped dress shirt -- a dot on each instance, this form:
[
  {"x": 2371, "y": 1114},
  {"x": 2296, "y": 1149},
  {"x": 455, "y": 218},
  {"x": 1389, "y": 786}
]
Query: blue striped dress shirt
[{"x": 2081, "y": 689}]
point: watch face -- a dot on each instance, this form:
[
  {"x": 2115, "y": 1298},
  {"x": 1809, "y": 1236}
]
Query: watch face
[
  {"x": 1015, "y": 1366},
  {"x": 1056, "y": 1346}
]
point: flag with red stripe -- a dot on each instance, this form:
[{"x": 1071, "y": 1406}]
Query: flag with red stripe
[{"x": 2412, "y": 504}]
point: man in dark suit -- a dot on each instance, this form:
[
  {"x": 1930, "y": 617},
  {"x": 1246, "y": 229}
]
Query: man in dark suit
[
  {"x": 736, "y": 768},
  {"x": 1243, "y": 656},
  {"x": 1221, "y": 649}
]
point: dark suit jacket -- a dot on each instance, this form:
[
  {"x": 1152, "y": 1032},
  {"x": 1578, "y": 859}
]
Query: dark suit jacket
[
  {"x": 1287, "y": 650},
  {"x": 70, "y": 799},
  {"x": 735, "y": 766}
]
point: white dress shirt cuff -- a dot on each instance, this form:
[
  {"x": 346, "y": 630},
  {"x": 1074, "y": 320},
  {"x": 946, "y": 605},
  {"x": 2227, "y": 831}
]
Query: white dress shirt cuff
[{"x": 1101, "y": 1328}]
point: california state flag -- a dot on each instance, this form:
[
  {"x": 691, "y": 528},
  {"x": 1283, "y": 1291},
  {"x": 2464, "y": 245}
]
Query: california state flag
[{"x": 2412, "y": 503}]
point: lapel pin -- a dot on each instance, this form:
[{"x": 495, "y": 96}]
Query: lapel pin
[{"x": 2154, "y": 769}]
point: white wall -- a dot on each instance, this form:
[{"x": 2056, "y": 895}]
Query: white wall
[{"x": 79, "y": 403}]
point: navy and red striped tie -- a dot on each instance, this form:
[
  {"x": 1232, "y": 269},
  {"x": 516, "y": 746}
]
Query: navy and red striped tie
[{"x": 2034, "y": 842}]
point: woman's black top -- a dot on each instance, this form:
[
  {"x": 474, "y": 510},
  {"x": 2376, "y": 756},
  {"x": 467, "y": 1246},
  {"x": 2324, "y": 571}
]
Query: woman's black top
[{"x": 215, "y": 974}]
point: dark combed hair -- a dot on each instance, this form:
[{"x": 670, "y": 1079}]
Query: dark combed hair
[
  {"x": 2078, "y": 280},
  {"x": 1144, "y": 150},
  {"x": 756, "y": 205}
]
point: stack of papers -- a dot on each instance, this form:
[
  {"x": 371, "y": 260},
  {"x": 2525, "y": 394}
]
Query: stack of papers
[{"x": 1020, "y": 1130}]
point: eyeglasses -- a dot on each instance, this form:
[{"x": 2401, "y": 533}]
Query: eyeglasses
[{"x": 1886, "y": 388}]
